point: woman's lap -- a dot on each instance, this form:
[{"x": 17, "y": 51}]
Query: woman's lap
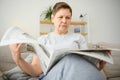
[{"x": 74, "y": 67}]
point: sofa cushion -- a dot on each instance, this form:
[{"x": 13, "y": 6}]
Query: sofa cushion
[
  {"x": 117, "y": 78},
  {"x": 113, "y": 70},
  {"x": 15, "y": 74},
  {"x": 1, "y": 78}
]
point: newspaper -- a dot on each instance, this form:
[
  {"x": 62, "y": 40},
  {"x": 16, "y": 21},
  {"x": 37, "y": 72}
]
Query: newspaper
[{"x": 49, "y": 57}]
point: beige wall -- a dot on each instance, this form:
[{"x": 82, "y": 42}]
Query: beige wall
[{"x": 104, "y": 16}]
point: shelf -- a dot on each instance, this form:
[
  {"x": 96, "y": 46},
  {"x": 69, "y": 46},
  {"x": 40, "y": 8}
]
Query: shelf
[
  {"x": 43, "y": 33},
  {"x": 72, "y": 23},
  {"x": 83, "y": 33},
  {"x": 45, "y": 22}
]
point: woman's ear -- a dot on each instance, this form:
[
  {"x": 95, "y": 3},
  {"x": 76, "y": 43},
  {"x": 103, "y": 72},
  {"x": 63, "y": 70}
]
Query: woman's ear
[{"x": 52, "y": 18}]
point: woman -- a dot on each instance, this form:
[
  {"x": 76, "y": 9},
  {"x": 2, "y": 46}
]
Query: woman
[{"x": 71, "y": 67}]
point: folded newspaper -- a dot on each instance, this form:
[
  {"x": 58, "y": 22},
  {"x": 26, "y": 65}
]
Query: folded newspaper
[{"x": 49, "y": 57}]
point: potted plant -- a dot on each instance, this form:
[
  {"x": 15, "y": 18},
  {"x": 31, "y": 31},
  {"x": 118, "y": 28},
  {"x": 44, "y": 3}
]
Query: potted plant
[{"x": 46, "y": 14}]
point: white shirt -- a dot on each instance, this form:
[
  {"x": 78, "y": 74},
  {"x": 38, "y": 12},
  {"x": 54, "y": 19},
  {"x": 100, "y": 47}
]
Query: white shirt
[{"x": 69, "y": 40}]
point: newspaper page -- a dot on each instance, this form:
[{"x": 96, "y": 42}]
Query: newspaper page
[
  {"x": 51, "y": 58},
  {"x": 101, "y": 54},
  {"x": 47, "y": 56},
  {"x": 16, "y": 35}
]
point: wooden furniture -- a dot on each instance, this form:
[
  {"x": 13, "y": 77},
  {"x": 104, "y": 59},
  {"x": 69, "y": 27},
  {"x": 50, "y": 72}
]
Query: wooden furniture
[{"x": 73, "y": 23}]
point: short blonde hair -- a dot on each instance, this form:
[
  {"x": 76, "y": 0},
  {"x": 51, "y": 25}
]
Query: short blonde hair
[{"x": 59, "y": 6}]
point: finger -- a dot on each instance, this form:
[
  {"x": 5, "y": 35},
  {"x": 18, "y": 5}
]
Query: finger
[
  {"x": 101, "y": 64},
  {"x": 101, "y": 46},
  {"x": 19, "y": 45},
  {"x": 15, "y": 48},
  {"x": 109, "y": 52}
]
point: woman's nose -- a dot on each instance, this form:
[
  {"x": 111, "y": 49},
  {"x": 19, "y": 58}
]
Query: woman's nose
[{"x": 64, "y": 20}]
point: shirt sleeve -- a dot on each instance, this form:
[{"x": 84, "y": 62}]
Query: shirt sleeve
[{"x": 42, "y": 39}]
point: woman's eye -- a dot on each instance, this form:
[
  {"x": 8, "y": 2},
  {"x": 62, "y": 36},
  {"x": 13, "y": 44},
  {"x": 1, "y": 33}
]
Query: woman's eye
[
  {"x": 64, "y": 17},
  {"x": 67, "y": 17},
  {"x": 61, "y": 17}
]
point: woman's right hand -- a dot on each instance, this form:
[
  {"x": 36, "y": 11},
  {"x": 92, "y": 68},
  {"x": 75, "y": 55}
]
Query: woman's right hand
[{"x": 15, "y": 51}]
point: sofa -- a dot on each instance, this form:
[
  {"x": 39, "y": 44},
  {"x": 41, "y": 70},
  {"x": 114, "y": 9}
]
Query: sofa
[{"x": 7, "y": 65}]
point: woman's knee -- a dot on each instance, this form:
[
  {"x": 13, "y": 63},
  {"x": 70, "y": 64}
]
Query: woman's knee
[{"x": 73, "y": 58}]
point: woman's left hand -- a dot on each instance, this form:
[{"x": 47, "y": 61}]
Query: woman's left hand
[{"x": 101, "y": 62}]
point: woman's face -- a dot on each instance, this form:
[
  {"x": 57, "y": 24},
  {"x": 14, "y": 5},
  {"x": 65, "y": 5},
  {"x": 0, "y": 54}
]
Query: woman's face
[{"x": 61, "y": 20}]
